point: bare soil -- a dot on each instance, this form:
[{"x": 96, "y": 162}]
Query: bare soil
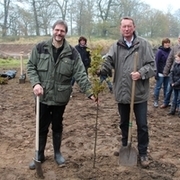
[{"x": 17, "y": 139}]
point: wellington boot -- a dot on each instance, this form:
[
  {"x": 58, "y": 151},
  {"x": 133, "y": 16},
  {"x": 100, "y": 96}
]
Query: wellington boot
[
  {"x": 41, "y": 157},
  {"x": 32, "y": 163},
  {"x": 57, "y": 145}
]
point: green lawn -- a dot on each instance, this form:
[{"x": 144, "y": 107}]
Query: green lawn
[{"x": 11, "y": 63}]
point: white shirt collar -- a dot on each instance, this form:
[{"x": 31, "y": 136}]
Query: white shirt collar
[{"x": 129, "y": 43}]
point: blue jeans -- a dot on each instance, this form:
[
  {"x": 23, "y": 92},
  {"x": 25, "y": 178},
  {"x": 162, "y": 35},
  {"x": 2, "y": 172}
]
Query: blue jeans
[
  {"x": 161, "y": 81},
  {"x": 176, "y": 98},
  {"x": 104, "y": 78},
  {"x": 140, "y": 111},
  {"x": 168, "y": 94}
]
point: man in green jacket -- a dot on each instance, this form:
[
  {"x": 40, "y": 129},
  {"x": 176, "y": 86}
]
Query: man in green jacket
[
  {"x": 121, "y": 58},
  {"x": 51, "y": 66}
]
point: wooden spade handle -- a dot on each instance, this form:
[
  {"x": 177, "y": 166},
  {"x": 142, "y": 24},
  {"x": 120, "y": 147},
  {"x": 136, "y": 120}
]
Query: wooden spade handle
[
  {"x": 21, "y": 59},
  {"x": 132, "y": 100},
  {"x": 37, "y": 123}
]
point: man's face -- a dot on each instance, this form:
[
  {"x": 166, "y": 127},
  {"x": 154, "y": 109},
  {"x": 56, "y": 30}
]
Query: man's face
[
  {"x": 59, "y": 33},
  {"x": 127, "y": 28}
]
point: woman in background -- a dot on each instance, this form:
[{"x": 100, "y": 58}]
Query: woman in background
[{"x": 160, "y": 58}]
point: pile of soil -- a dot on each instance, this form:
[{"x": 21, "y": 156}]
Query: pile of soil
[{"x": 17, "y": 139}]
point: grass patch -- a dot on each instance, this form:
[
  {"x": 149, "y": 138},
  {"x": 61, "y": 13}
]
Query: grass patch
[{"x": 12, "y": 63}]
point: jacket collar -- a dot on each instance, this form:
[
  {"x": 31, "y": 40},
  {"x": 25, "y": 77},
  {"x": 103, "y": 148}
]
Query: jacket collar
[{"x": 122, "y": 42}]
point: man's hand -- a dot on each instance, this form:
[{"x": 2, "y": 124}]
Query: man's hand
[
  {"x": 98, "y": 72},
  {"x": 135, "y": 76},
  {"x": 38, "y": 90},
  {"x": 92, "y": 97}
]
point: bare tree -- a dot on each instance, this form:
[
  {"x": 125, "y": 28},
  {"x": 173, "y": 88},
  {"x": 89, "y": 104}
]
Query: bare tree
[
  {"x": 80, "y": 16},
  {"x": 5, "y": 25},
  {"x": 104, "y": 10},
  {"x": 33, "y": 2},
  {"x": 25, "y": 23},
  {"x": 89, "y": 18},
  {"x": 46, "y": 15},
  {"x": 63, "y": 7}
]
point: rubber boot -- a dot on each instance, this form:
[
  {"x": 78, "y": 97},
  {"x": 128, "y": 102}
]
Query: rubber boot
[
  {"x": 173, "y": 110},
  {"x": 41, "y": 157},
  {"x": 57, "y": 145}
]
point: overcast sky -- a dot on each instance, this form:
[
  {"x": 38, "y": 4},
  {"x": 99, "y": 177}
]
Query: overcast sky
[{"x": 164, "y": 5}]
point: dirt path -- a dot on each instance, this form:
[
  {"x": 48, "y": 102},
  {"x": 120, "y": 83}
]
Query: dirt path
[{"x": 17, "y": 135}]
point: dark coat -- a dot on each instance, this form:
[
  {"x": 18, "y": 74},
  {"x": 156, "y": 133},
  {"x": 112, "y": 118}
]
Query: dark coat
[
  {"x": 175, "y": 76},
  {"x": 161, "y": 57},
  {"x": 85, "y": 55}
]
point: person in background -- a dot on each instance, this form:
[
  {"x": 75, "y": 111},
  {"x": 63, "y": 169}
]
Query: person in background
[
  {"x": 51, "y": 66},
  {"x": 84, "y": 53},
  {"x": 166, "y": 71},
  {"x": 175, "y": 84},
  {"x": 120, "y": 58},
  {"x": 160, "y": 58}
]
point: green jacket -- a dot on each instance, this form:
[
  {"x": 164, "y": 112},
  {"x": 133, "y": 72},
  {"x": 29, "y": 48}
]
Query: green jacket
[
  {"x": 121, "y": 59},
  {"x": 55, "y": 78}
]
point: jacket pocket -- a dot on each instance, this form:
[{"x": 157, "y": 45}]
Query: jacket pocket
[
  {"x": 62, "y": 94},
  {"x": 140, "y": 90},
  {"x": 66, "y": 67},
  {"x": 43, "y": 66},
  {"x": 43, "y": 63}
]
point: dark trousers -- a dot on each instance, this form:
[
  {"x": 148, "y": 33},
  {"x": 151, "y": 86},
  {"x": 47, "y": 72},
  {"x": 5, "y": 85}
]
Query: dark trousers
[
  {"x": 140, "y": 111},
  {"x": 176, "y": 98},
  {"x": 50, "y": 115}
]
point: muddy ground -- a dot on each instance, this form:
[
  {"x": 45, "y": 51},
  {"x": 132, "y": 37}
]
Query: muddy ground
[{"x": 17, "y": 139}]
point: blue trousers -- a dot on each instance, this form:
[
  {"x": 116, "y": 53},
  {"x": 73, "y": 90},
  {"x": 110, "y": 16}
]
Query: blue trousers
[{"x": 161, "y": 81}]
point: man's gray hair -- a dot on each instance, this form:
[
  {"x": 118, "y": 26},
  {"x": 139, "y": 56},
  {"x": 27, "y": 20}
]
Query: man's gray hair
[{"x": 128, "y": 18}]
